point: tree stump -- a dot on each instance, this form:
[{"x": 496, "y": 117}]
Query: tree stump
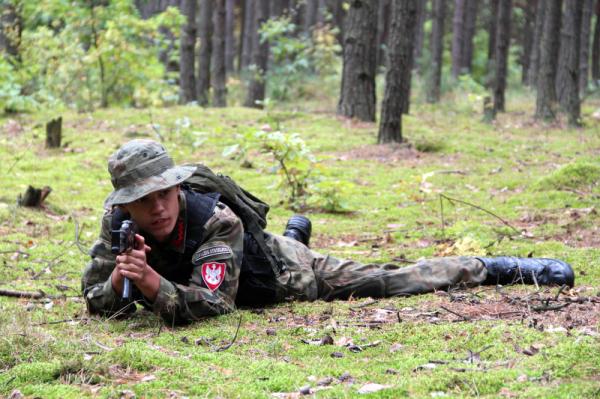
[
  {"x": 489, "y": 112},
  {"x": 34, "y": 197},
  {"x": 54, "y": 133}
]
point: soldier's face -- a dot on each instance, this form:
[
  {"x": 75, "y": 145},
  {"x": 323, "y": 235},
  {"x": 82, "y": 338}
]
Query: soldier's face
[{"x": 156, "y": 213}]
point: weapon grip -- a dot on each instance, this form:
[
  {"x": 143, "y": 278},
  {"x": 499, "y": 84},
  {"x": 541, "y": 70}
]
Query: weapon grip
[{"x": 123, "y": 240}]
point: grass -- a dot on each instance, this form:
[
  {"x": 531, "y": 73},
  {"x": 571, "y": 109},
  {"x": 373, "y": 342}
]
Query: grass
[{"x": 542, "y": 180}]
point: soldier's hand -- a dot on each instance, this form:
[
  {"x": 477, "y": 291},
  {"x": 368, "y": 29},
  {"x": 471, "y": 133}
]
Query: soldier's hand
[{"x": 133, "y": 264}]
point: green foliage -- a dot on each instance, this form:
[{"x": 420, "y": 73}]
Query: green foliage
[
  {"x": 575, "y": 175},
  {"x": 93, "y": 54},
  {"x": 297, "y": 57},
  {"x": 12, "y": 98}
]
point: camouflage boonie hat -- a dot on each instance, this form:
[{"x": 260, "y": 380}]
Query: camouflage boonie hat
[{"x": 141, "y": 167}]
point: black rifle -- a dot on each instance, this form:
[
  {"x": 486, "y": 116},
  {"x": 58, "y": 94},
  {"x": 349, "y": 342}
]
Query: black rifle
[{"x": 123, "y": 240}]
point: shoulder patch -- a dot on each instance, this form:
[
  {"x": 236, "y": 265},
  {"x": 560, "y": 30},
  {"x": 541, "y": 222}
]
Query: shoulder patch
[{"x": 217, "y": 251}]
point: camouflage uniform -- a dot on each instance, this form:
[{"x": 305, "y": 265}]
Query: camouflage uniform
[{"x": 305, "y": 275}]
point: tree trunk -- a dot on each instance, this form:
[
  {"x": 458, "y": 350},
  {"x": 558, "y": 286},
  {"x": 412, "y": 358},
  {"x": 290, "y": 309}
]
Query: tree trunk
[
  {"x": 534, "y": 64},
  {"x": 187, "y": 81},
  {"x": 357, "y": 97},
  {"x": 458, "y": 36},
  {"x": 492, "y": 28},
  {"x": 502, "y": 45},
  {"x": 399, "y": 70},
  {"x": 336, "y": 8},
  {"x": 205, "y": 30},
  {"x": 469, "y": 34},
  {"x": 437, "y": 49},
  {"x": 549, "y": 46},
  {"x": 310, "y": 16},
  {"x": 527, "y": 39},
  {"x": 248, "y": 30},
  {"x": 569, "y": 98},
  {"x": 419, "y": 34},
  {"x": 260, "y": 57},
  {"x": 218, "y": 55},
  {"x": 10, "y": 31},
  {"x": 584, "y": 55},
  {"x": 383, "y": 18},
  {"x": 596, "y": 49},
  {"x": 229, "y": 36},
  {"x": 321, "y": 10}
]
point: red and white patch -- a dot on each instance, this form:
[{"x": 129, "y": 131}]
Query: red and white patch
[{"x": 213, "y": 274}]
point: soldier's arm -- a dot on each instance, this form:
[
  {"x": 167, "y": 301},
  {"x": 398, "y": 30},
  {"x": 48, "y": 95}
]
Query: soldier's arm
[
  {"x": 96, "y": 285},
  {"x": 209, "y": 291}
]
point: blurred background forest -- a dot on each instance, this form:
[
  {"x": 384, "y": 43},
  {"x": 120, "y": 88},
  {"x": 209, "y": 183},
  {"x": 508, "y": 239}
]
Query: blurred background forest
[{"x": 85, "y": 54}]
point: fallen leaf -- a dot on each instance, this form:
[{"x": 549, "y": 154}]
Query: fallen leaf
[
  {"x": 396, "y": 347},
  {"x": 370, "y": 388},
  {"x": 337, "y": 354}
]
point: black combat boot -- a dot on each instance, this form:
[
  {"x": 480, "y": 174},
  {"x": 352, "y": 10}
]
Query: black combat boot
[
  {"x": 298, "y": 228},
  {"x": 510, "y": 270}
]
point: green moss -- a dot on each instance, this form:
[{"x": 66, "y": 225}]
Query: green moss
[{"x": 572, "y": 176}]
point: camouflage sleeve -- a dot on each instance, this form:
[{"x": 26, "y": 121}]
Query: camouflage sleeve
[
  {"x": 96, "y": 283},
  {"x": 214, "y": 281}
]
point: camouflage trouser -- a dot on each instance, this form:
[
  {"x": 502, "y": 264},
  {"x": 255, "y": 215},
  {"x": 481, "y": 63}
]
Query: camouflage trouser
[{"x": 310, "y": 275}]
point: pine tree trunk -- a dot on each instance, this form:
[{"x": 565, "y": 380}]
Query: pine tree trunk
[
  {"x": 310, "y": 16},
  {"x": 247, "y": 33},
  {"x": 549, "y": 47},
  {"x": 469, "y": 34},
  {"x": 527, "y": 39},
  {"x": 596, "y": 48},
  {"x": 229, "y": 36},
  {"x": 383, "y": 18},
  {"x": 534, "y": 64},
  {"x": 570, "y": 101},
  {"x": 437, "y": 48},
  {"x": 205, "y": 30},
  {"x": 492, "y": 31},
  {"x": 561, "y": 84},
  {"x": 502, "y": 45},
  {"x": 357, "y": 97},
  {"x": 584, "y": 54},
  {"x": 10, "y": 31},
  {"x": 218, "y": 55},
  {"x": 399, "y": 70},
  {"x": 187, "y": 81},
  {"x": 458, "y": 30},
  {"x": 260, "y": 57},
  {"x": 419, "y": 35}
]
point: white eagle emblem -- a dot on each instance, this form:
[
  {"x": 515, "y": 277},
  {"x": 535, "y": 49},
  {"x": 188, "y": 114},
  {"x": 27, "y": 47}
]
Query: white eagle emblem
[{"x": 213, "y": 274}]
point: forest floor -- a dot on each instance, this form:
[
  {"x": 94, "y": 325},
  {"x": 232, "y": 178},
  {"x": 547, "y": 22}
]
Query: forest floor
[{"x": 458, "y": 187}]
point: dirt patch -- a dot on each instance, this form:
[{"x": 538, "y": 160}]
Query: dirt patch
[{"x": 381, "y": 153}]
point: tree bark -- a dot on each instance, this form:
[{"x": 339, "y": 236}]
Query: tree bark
[
  {"x": 357, "y": 96},
  {"x": 492, "y": 28},
  {"x": 596, "y": 48},
  {"x": 383, "y": 18},
  {"x": 549, "y": 47},
  {"x": 502, "y": 45},
  {"x": 569, "y": 98},
  {"x": 205, "y": 30},
  {"x": 230, "y": 36},
  {"x": 247, "y": 32},
  {"x": 310, "y": 16},
  {"x": 458, "y": 36},
  {"x": 527, "y": 39},
  {"x": 218, "y": 72},
  {"x": 534, "y": 64},
  {"x": 10, "y": 31},
  {"x": 419, "y": 35},
  {"x": 399, "y": 70},
  {"x": 584, "y": 54},
  {"x": 469, "y": 34},
  {"x": 260, "y": 57},
  {"x": 187, "y": 81},
  {"x": 437, "y": 49}
]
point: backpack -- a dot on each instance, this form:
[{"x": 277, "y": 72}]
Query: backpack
[{"x": 250, "y": 209}]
